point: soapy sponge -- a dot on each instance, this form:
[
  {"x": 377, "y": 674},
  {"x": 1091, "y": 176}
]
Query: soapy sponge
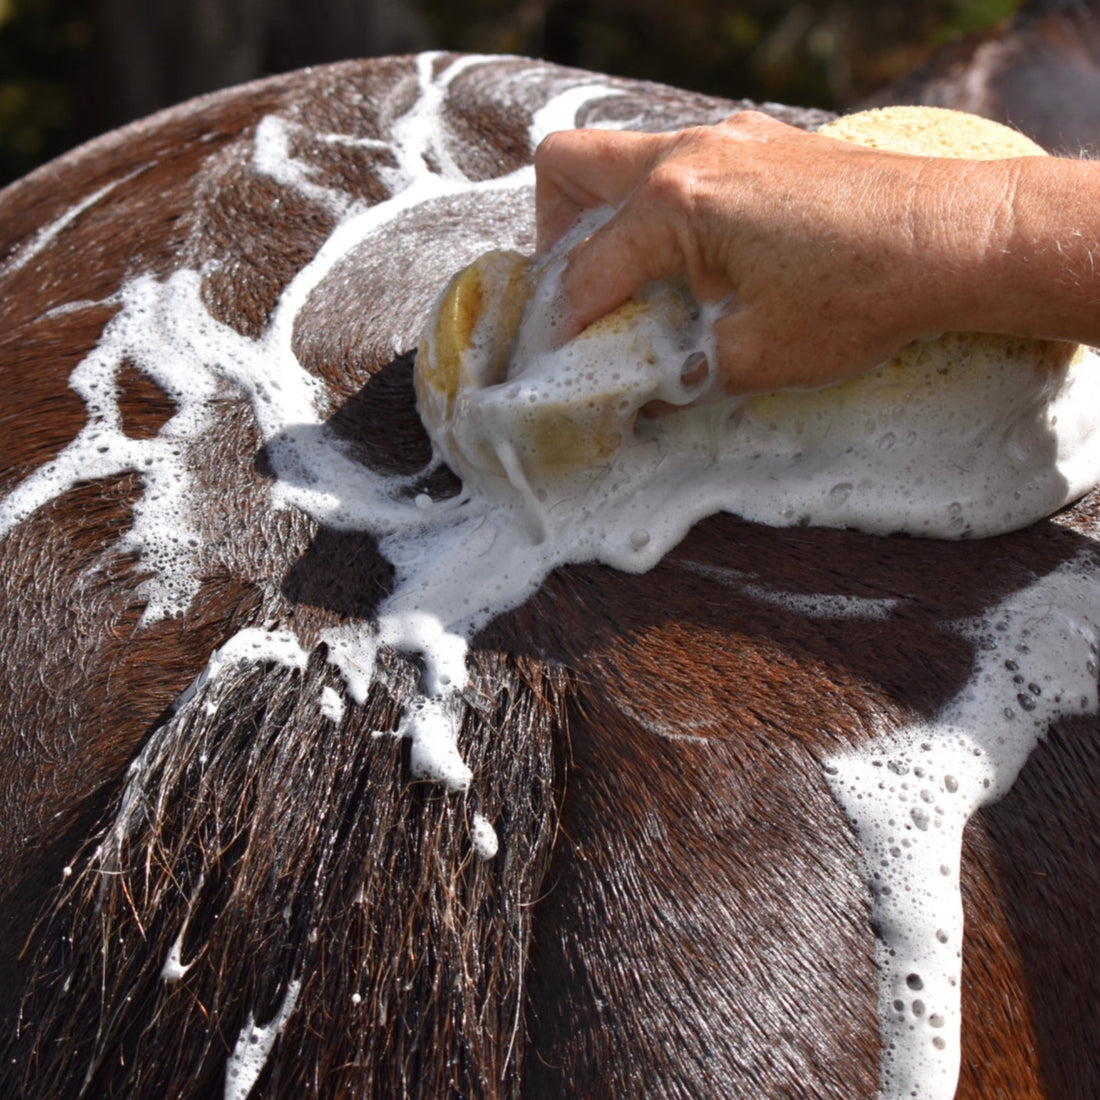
[{"x": 966, "y": 434}]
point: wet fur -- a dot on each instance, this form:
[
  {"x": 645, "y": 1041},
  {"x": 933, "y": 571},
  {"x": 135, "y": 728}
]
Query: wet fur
[{"x": 678, "y": 907}]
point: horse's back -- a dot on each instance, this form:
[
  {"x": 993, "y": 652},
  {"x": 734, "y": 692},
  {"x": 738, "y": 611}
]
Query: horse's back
[{"x": 679, "y": 904}]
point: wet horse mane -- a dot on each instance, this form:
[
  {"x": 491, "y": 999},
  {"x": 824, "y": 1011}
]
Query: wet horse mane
[{"x": 242, "y": 883}]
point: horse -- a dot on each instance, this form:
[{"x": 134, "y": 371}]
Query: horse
[
  {"x": 221, "y": 868},
  {"x": 1038, "y": 70}
]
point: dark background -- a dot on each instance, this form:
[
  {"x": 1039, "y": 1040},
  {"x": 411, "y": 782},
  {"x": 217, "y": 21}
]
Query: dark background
[{"x": 70, "y": 69}]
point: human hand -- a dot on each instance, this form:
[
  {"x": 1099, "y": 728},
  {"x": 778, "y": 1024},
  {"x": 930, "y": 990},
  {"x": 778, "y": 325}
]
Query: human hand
[{"x": 832, "y": 256}]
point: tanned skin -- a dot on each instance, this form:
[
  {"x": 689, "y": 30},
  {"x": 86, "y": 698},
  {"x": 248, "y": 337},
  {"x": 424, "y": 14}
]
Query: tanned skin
[{"x": 832, "y": 256}]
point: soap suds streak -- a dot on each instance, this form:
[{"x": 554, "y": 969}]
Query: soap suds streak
[
  {"x": 254, "y": 1044},
  {"x": 48, "y": 233},
  {"x": 248, "y": 646},
  {"x": 174, "y": 968},
  {"x": 909, "y": 796},
  {"x": 812, "y": 605},
  {"x": 272, "y": 157}
]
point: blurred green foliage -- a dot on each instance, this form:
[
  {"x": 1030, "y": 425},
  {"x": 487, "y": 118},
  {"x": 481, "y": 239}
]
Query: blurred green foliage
[
  {"x": 827, "y": 53},
  {"x": 43, "y": 44},
  {"x": 822, "y": 53}
]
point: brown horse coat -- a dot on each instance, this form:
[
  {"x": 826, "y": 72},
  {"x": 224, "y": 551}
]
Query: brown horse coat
[{"x": 678, "y": 908}]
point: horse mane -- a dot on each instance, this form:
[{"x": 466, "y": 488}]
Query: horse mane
[{"x": 271, "y": 850}]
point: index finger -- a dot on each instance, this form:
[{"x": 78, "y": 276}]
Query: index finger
[{"x": 576, "y": 170}]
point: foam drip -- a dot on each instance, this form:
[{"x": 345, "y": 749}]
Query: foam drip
[
  {"x": 484, "y": 837},
  {"x": 332, "y": 705},
  {"x": 254, "y": 1045},
  {"x": 910, "y": 795},
  {"x": 174, "y": 968}
]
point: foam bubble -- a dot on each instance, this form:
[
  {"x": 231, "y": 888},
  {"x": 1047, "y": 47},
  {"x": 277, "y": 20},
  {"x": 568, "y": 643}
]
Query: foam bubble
[{"x": 483, "y": 837}]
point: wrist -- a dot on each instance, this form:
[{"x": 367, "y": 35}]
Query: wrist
[{"x": 1015, "y": 255}]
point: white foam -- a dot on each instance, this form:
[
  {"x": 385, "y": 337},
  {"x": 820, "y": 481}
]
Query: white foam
[
  {"x": 332, "y": 705},
  {"x": 910, "y": 794},
  {"x": 253, "y": 645},
  {"x": 174, "y": 968},
  {"x": 564, "y": 108},
  {"x": 431, "y": 725},
  {"x": 483, "y": 837},
  {"x": 254, "y": 1045},
  {"x": 352, "y": 651},
  {"x": 272, "y": 157}
]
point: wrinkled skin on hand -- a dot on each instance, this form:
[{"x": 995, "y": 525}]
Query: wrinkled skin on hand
[{"x": 832, "y": 256}]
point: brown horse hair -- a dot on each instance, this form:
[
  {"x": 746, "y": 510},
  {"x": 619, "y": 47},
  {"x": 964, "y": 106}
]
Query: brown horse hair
[
  {"x": 678, "y": 907},
  {"x": 282, "y": 848}
]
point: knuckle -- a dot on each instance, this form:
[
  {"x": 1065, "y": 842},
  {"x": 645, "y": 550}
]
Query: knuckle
[
  {"x": 553, "y": 147},
  {"x": 547, "y": 149},
  {"x": 671, "y": 186},
  {"x": 749, "y": 122}
]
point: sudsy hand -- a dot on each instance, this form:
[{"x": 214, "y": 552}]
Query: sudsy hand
[{"x": 832, "y": 256}]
